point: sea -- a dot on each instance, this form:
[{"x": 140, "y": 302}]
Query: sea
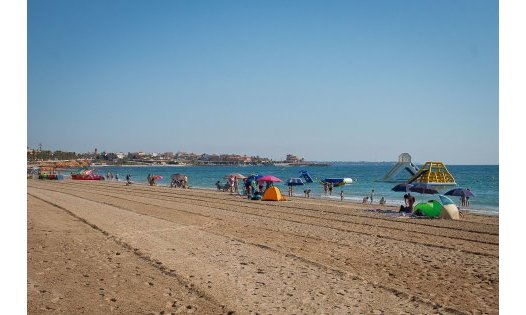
[{"x": 482, "y": 180}]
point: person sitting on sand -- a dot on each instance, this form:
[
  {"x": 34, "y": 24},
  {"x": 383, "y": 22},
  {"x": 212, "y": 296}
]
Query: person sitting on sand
[
  {"x": 382, "y": 201},
  {"x": 256, "y": 196},
  {"x": 364, "y": 200},
  {"x": 411, "y": 201},
  {"x": 406, "y": 198}
]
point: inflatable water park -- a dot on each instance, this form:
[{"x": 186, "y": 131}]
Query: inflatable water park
[
  {"x": 432, "y": 173},
  {"x": 336, "y": 182}
]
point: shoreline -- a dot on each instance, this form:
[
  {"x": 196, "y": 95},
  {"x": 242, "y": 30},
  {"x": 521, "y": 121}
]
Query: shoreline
[{"x": 352, "y": 200}]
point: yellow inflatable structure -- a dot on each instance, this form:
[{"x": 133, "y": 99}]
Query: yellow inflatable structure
[{"x": 434, "y": 174}]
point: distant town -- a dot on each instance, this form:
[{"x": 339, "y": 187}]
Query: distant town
[{"x": 36, "y": 156}]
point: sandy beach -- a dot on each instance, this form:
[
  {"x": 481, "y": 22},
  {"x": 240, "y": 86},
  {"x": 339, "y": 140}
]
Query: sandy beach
[{"x": 100, "y": 247}]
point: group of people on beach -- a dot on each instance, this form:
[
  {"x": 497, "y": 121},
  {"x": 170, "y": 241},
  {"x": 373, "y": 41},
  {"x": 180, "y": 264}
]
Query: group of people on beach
[
  {"x": 464, "y": 201},
  {"x": 151, "y": 180},
  {"x": 256, "y": 194},
  {"x": 232, "y": 185},
  {"x": 110, "y": 176},
  {"x": 327, "y": 188},
  {"x": 369, "y": 199}
]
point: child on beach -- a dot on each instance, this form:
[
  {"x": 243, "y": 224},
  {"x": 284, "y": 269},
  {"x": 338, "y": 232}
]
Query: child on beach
[
  {"x": 364, "y": 200},
  {"x": 341, "y": 195},
  {"x": 382, "y": 201},
  {"x": 372, "y": 195}
]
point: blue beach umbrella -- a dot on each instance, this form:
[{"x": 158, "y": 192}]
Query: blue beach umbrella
[
  {"x": 403, "y": 187},
  {"x": 461, "y": 192},
  {"x": 424, "y": 189},
  {"x": 295, "y": 182}
]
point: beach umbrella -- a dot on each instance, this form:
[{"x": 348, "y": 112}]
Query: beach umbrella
[
  {"x": 295, "y": 182},
  {"x": 423, "y": 188},
  {"x": 268, "y": 178},
  {"x": 461, "y": 192},
  {"x": 237, "y": 175},
  {"x": 403, "y": 187}
]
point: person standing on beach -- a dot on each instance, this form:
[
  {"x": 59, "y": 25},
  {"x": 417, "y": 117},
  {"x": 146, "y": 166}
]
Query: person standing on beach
[
  {"x": 372, "y": 195},
  {"x": 290, "y": 191},
  {"x": 249, "y": 191},
  {"x": 341, "y": 195},
  {"x": 231, "y": 184},
  {"x": 325, "y": 188},
  {"x": 330, "y": 189}
]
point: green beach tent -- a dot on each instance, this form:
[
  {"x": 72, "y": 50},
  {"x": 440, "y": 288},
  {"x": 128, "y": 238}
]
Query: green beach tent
[{"x": 431, "y": 209}]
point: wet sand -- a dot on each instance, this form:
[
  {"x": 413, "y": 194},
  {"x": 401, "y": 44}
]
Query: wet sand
[{"x": 100, "y": 247}]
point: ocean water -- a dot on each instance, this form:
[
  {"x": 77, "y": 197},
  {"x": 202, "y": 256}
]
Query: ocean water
[{"x": 483, "y": 180}]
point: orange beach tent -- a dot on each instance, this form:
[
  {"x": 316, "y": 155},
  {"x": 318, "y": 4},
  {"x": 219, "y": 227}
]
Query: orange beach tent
[{"x": 273, "y": 194}]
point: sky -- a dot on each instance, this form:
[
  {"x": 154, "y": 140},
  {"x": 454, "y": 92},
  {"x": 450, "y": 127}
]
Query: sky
[{"x": 325, "y": 80}]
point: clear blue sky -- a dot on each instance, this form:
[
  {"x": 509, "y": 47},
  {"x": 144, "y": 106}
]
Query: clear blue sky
[{"x": 327, "y": 80}]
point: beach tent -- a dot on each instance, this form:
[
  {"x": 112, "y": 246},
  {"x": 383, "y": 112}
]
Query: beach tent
[
  {"x": 273, "y": 194},
  {"x": 431, "y": 209},
  {"x": 449, "y": 209}
]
